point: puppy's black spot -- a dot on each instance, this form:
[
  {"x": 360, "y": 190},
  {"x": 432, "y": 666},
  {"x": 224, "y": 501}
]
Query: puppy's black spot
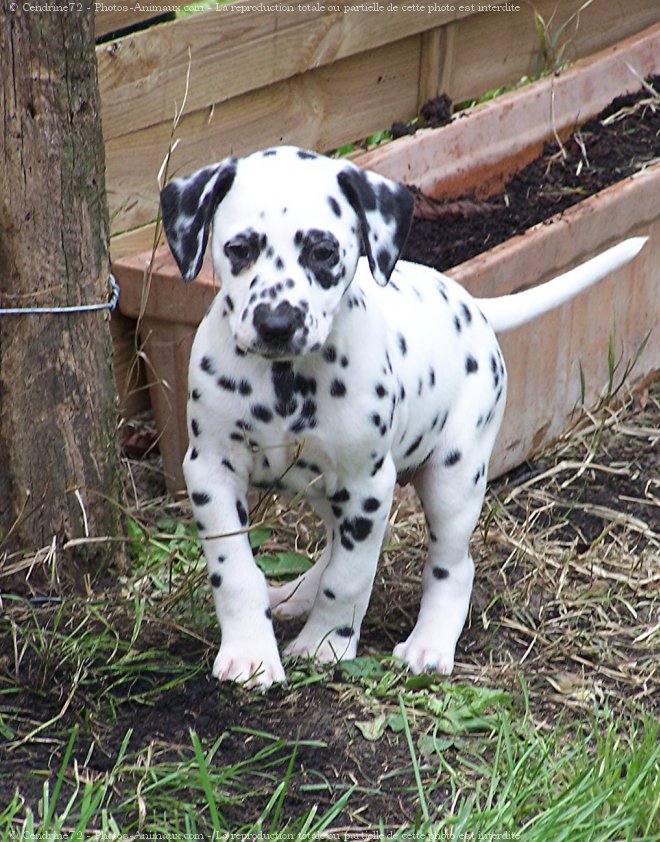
[
  {"x": 378, "y": 464},
  {"x": 262, "y": 413},
  {"x": 226, "y": 383},
  {"x": 471, "y": 365},
  {"x": 413, "y": 447},
  {"x": 194, "y": 426},
  {"x": 242, "y": 514},
  {"x": 206, "y": 365},
  {"x": 329, "y": 354},
  {"x": 358, "y": 528},
  {"x": 345, "y": 631},
  {"x": 452, "y": 458},
  {"x": 216, "y": 580},
  {"x": 371, "y": 504},
  {"x": 328, "y": 593},
  {"x": 440, "y": 573},
  {"x": 308, "y": 410},
  {"x": 200, "y": 498},
  {"x": 334, "y": 204},
  {"x": 337, "y": 388}
]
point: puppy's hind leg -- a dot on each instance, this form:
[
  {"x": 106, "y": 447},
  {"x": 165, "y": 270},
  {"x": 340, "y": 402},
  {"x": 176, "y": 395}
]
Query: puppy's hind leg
[
  {"x": 451, "y": 487},
  {"x": 295, "y": 598}
]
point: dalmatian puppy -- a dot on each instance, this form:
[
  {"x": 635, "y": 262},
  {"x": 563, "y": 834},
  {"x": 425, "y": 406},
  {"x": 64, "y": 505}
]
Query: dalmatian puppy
[{"x": 328, "y": 368}]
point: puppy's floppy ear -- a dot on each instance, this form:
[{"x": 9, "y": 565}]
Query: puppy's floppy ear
[
  {"x": 188, "y": 205},
  {"x": 385, "y": 211}
]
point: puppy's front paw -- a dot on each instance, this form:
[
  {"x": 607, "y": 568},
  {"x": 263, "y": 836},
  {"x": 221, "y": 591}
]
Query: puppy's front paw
[
  {"x": 424, "y": 655},
  {"x": 333, "y": 647},
  {"x": 249, "y": 666}
]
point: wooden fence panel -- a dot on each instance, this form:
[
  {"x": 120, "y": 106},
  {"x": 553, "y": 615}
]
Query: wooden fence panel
[
  {"x": 311, "y": 78},
  {"x": 516, "y": 47},
  {"x": 114, "y": 17},
  {"x": 226, "y": 55}
]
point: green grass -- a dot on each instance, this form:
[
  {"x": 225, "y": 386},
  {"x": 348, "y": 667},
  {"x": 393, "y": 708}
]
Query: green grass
[
  {"x": 599, "y": 781},
  {"x": 479, "y": 762}
]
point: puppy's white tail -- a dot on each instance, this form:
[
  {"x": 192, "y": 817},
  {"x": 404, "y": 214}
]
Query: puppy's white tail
[{"x": 510, "y": 311}]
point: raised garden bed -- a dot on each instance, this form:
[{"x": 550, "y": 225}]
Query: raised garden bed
[{"x": 555, "y": 362}]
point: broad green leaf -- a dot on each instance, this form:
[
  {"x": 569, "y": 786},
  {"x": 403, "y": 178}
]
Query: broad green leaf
[{"x": 283, "y": 564}]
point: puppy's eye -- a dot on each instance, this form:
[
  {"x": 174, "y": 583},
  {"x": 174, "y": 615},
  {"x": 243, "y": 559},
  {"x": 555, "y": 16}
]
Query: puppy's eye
[
  {"x": 324, "y": 252},
  {"x": 238, "y": 251}
]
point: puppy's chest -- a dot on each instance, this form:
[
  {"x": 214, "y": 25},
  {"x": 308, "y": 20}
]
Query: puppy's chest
[{"x": 277, "y": 421}]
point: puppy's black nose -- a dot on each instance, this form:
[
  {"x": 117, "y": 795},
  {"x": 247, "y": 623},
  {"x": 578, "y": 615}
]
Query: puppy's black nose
[{"x": 277, "y": 325}]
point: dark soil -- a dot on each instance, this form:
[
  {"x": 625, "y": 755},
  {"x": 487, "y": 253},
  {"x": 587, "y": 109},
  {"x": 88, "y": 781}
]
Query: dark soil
[
  {"x": 592, "y": 159},
  {"x": 325, "y": 713}
]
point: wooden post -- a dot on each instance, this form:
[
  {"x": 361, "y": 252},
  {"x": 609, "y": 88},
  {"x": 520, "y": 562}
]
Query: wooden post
[{"x": 59, "y": 467}]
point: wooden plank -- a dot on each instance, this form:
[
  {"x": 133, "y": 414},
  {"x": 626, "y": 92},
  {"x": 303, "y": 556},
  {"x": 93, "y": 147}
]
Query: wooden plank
[
  {"x": 303, "y": 111},
  {"x": 114, "y": 21},
  {"x": 132, "y": 242},
  {"x": 227, "y": 54},
  {"x": 115, "y": 17},
  {"x": 496, "y": 49},
  {"x": 430, "y": 66}
]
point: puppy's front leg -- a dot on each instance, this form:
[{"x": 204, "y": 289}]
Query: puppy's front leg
[
  {"x": 361, "y": 507},
  {"x": 248, "y": 652}
]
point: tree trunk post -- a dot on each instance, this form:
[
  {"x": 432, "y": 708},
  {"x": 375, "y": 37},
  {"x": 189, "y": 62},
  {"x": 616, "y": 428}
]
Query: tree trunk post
[{"x": 59, "y": 466}]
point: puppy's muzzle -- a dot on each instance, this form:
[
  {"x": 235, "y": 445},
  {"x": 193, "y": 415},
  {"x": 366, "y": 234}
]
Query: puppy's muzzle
[{"x": 276, "y": 327}]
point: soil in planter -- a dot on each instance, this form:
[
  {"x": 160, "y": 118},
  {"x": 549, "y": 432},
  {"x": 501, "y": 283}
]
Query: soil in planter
[{"x": 447, "y": 233}]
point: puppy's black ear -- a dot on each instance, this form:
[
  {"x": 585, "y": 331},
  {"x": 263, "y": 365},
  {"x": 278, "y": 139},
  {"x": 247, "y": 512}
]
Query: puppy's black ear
[
  {"x": 188, "y": 205},
  {"x": 385, "y": 211}
]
